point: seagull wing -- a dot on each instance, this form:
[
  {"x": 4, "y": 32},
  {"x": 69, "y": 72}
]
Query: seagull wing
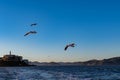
[
  {"x": 27, "y": 33},
  {"x": 34, "y": 32},
  {"x": 30, "y": 32},
  {"x": 72, "y": 45},
  {"x": 66, "y": 47},
  {"x": 34, "y": 24},
  {"x": 31, "y": 25}
]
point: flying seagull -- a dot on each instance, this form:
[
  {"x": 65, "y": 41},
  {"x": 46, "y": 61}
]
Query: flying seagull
[
  {"x": 30, "y": 32},
  {"x": 34, "y": 24},
  {"x": 69, "y": 45}
]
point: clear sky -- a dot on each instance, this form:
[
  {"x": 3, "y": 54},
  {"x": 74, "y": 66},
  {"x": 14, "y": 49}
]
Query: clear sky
[{"x": 94, "y": 25}]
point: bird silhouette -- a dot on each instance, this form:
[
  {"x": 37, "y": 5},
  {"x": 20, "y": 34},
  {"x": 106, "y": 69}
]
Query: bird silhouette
[
  {"x": 69, "y": 45},
  {"x": 30, "y": 32},
  {"x": 34, "y": 24}
]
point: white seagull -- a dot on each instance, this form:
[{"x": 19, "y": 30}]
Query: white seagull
[
  {"x": 30, "y": 32},
  {"x": 34, "y": 24},
  {"x": 69, "y": 45}
]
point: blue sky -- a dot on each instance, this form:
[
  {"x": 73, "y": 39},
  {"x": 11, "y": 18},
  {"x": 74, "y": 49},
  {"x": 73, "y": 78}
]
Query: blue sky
[{"x": 94, "y": 25}]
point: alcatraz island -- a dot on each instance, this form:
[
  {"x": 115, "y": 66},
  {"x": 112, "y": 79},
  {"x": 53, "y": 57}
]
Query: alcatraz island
[{"x": 13, "y": 60}]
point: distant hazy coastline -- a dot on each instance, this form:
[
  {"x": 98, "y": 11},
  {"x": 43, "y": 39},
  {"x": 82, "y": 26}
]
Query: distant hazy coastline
[{"x": 94, "y": 62}]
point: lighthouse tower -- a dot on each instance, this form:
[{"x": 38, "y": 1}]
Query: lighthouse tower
[{"x": 10, "y": 52}]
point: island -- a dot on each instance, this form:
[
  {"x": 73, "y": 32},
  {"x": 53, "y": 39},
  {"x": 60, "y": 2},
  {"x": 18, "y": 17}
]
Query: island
[{"x": 13, "y": 60}]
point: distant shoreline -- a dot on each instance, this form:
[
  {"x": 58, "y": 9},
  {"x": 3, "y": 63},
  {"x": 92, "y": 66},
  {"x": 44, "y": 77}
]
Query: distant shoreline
[{"x": 105, "y": 62}]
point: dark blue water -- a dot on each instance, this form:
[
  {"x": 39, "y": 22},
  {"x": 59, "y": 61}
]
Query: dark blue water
[
  {"x": 93, "y": 72},
  {"x": 74, "y": 69},
  {"x": 60, "y": 73}
]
